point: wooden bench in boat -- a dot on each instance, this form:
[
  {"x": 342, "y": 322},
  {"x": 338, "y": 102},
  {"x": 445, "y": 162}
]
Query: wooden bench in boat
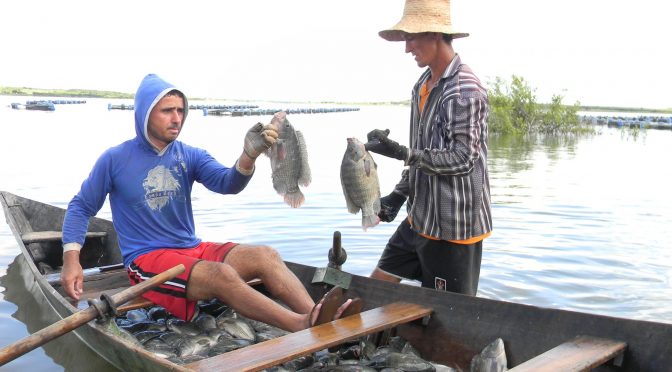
[
  {"x": 32, "y": 239},
  {"x": 282, "y": 349},
  {"x": 583, "y": 353},
  {"x": 45, "y": 236}
]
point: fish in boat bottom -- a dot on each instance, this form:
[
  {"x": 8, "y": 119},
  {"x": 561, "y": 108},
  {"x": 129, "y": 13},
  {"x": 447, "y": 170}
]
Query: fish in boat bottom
[{"x": 218, "y": 329}]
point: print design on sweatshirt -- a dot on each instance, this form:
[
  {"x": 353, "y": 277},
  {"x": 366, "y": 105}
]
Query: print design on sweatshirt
[{"x": 160, "y": 187}]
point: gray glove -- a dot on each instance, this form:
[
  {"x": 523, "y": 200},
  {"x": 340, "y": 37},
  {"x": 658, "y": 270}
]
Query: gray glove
[
  {"x": 390, "y": 205},
  {"x": 259, "y": 138}
]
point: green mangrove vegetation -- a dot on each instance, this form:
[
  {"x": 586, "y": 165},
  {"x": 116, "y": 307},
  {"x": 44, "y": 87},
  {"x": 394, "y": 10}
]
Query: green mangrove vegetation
[{"x": 515, "y": 110}]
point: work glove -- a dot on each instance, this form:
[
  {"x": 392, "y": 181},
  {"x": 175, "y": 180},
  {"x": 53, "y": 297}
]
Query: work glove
[
  {"x": 379, "y": 143},
  {"x": 390, "y": 205},
  {"x": 259, "y": 138}
]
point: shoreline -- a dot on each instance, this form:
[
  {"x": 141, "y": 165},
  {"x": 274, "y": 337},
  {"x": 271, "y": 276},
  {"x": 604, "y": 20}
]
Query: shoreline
[{"x": 88, "y": 93}]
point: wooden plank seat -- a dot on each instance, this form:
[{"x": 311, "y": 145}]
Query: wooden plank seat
[
  {"x": 44, "y": 236},
  {"x": 282, "y": 349},
  {"x": 583, "y": 353}
]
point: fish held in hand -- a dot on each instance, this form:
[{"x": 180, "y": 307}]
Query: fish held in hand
[
  {"x": 359, "y": 179},
  {"x": 289, "y": 161}
]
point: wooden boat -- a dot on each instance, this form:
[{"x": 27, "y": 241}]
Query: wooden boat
[{"x": 444, "y": 327}]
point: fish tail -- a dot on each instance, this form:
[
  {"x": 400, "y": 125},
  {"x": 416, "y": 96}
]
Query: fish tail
[
  {"x": 295, "y": 199},
  {"x": 369, "y": 221}
]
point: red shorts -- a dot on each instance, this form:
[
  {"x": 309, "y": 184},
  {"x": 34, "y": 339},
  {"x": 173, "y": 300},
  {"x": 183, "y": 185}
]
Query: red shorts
[{"x": 172, "y": 294}]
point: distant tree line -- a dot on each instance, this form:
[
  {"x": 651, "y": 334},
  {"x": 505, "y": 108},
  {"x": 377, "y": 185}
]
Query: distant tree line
[{"x": 79, "y": 93}]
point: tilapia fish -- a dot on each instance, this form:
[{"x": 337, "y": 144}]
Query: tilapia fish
[
  {"x": 491, "y": 359},
  {"x": 289, "y": 161},
  {"x": 359, "y": 179}
]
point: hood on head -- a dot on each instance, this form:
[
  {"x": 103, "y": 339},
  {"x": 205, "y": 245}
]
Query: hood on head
[{"x": 151, "y": 90}]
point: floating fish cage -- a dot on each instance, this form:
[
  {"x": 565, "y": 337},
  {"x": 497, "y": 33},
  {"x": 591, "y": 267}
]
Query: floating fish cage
[
  {"x": 120, "y": 107},
  {"x": 34, "y": 105},
  {"x": 642, "y": 122},
  {"x": 57, "y": 102},
  {"x": 271, "y": 111}
]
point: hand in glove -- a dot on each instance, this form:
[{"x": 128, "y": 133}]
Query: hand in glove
[
  {"x": 259, "y": 138},
  {"x": 390, "y": 205},
  {"x": 378, "y": 142}
]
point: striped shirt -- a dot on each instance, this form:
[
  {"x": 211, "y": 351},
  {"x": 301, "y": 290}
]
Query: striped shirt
[{"x": 447, "y": 180}]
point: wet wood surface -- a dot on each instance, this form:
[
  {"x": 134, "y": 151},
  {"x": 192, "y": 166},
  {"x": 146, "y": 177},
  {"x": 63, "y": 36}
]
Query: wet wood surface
[
  {"x": 282, "y": 349},
  {"x": 580, "y": 354}
]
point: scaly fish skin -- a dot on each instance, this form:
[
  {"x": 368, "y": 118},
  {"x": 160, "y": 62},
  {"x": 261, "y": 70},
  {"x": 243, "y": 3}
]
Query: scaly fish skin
[
  {"x": 289, "y": 161},
  {"x": 359, "y": 179}
]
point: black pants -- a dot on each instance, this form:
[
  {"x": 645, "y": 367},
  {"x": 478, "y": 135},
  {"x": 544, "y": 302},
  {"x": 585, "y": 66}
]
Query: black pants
[{"x": 438, "y": 264}]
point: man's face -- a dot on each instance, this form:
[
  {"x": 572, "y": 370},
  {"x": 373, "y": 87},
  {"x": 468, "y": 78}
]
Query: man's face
[
  {"x": 165, "y": 121},
  {"x": 423, "y": 46}
]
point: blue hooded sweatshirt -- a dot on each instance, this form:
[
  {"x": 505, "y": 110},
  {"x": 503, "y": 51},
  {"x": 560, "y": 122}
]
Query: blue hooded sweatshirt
[{"x": 150, "y": 191}]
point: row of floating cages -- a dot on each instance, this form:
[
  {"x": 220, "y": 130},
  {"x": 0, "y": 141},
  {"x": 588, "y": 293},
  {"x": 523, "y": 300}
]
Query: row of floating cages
[
  {"x": 58, "y": 101},
  {"x": 34, "y": 105},
  {"x": 642, "y": 121},
  {"x": 222, "y": 107},
  {"x": 122, "y": 106},
  {"x": 271, "y": 111}
]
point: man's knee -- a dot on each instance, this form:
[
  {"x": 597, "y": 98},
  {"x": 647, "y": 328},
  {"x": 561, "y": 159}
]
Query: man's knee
[
  {"x": 263, "y": 254},
  {"x": 204, "y": 278},
  {"x": 271, "y": 253},
  {"x": 255, "y": 261}
]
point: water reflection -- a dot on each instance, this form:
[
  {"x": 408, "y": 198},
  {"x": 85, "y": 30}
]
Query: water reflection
[{"x": 33, "y": 310}]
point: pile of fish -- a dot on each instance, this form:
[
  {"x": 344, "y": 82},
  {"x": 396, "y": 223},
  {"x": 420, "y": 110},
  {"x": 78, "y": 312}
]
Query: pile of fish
[
  {"x": 289, "y": 161},
  {"x": 364, "y": 355},
  {"x": 359, "y": 179},
  {"x": 218, "y": 329}
]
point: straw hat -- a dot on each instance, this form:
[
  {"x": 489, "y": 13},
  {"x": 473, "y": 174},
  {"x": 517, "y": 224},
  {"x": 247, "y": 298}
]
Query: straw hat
[{"x": 423, "y": 16}]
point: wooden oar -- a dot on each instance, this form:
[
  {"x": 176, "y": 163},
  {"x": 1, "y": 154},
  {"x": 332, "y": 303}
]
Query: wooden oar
[{"x": 79, "y": 318}]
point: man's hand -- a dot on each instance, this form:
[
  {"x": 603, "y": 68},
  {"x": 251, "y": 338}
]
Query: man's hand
[
  {"x": 378, "y": 142},
  {"x": 72, "y": 275},
  {"x": 259, "y": 138},
  {"x": 390, "y": 205}
]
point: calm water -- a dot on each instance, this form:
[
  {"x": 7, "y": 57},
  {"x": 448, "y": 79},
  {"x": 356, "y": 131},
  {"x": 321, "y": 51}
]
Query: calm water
[{"x": 579, "y": 224}]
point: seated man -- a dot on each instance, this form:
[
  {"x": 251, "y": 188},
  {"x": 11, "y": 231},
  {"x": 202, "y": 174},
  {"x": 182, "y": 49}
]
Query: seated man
[{"x": 149, "y": 180}]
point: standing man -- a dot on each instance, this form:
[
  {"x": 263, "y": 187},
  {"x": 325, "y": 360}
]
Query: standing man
[
  {"x": 446, "y": 186},
  {"x": 149, "y": 180}
]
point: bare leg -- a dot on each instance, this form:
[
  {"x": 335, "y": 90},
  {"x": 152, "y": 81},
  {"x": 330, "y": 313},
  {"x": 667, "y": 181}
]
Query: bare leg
[
  {"x": 381, "y": 275},
  {"x": 265, "y": 263},
  {"x": 227, "y": 281}
]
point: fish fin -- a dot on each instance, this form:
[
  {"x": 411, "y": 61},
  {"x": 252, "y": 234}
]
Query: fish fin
[
  {"x": 281, "y": 149},
  {"x": 376, "y": 203},
  {"x": 295, "y": 199},
  {"x": 367, "y": 167},
  {"x": 370, "y": 221},
  {"x": 352, "y": 207},
  {"x": 304, "y": 176}
]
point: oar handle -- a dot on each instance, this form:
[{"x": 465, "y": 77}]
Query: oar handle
[
  {"x": 140, "y": 288},
  {"x": 41, "y": 337}
]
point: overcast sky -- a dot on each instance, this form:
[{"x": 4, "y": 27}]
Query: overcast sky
[{"x": 598, "y": 52}]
